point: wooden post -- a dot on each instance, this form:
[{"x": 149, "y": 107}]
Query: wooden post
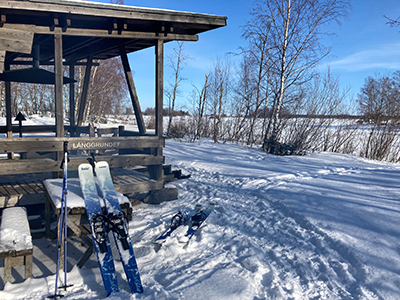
[
  {"x": 159, "y": 86},
  {"x": 72, "y": 99},
  {"x": 58, "y": 68},
  {"x": 59, "y": 105},
  {"x": 132, "y": 90},
  {"x": 85, "y": 89},
  {"x": 7, "y": 86},
  {"x": 156, "y": 170}
]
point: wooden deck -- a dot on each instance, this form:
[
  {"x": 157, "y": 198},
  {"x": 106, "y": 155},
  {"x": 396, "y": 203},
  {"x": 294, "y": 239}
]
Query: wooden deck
[
  {"x": 21, "y": 192},
  {"x": 25, "y": 190}
]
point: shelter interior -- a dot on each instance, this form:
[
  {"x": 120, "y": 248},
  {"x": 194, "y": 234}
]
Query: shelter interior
[{"x": 65, "y": 34}]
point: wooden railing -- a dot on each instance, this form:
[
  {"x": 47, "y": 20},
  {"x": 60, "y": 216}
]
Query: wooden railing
[{"x": 76, "y": 145}]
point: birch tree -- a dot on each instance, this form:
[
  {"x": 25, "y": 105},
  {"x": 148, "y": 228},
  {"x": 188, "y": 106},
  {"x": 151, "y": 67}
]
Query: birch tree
[
  {"x": 176, "y": 63},
  {"x": 294, "y": 45}
]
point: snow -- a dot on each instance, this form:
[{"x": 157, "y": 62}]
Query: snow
[
  {"x": 14, "y": 230},
  {"x": 320, "y": 226}
]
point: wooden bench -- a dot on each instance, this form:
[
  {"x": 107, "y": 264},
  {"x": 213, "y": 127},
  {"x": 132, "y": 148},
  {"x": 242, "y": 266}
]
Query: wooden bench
[{"x": 15, "y": 241}]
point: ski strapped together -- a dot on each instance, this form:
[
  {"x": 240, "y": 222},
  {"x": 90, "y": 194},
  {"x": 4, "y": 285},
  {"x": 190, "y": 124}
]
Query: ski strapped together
[
  {"x": 177, "y": 220},
  {"x": 193, "y": 219},
  {"x": 117, "y": 224},
  {"x": 98, "y": 227},
  {"x": 197, "y": 220}
]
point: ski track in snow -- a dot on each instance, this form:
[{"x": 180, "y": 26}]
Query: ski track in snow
[
  {"x": 275, "y": 251},
  {"x": 266, "y": 238}
]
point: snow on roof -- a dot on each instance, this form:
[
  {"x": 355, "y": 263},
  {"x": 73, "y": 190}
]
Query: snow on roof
[{"x": 119, "y": 7}]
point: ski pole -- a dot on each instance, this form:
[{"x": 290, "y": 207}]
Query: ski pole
[
  {"x": 65, "y": 193},
  {"x": 61, "y": 224}
]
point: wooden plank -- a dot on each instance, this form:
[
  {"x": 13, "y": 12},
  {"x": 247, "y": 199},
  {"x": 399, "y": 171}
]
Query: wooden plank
[
  {"x": 10, "y": 190},
  {"x": 103, "y": 131},
  {"x": 9, "y": 201},
  {"x": 42, "y": 128},
  {"x": 26, "y": 188},
  {"x": 3, "y": 191},
  {"x": 18, "y": 189},
  {"x": 81, "y": 143},
  {"x": 16, "y": 40},
  {"x": 119, "y": 161},
  {"x": 38, "y": 188},
  {"x": 132, "y": 90},
  {"x": 49, "y": 165},
  {"x": 142, "y": 187},
  {"x": 21, "y": 200}
]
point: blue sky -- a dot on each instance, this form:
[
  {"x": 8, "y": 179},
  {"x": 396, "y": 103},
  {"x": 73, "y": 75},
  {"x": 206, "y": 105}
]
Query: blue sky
[{"x": 363, "y": 46}]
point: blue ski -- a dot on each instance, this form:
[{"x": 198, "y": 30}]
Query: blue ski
[
  {"x": 117, "y": 225},
  {"x": 177, "y": 220},
  {"x": 98, "y": 228}
]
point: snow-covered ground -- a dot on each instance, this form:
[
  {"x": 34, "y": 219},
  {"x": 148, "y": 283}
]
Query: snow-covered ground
[{"x": 321, "y": 226}]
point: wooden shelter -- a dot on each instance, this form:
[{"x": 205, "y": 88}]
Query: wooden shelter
[{"x": 69, "y": 33}]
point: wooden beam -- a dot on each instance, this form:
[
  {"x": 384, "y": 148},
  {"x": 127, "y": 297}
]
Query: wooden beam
[
  {"x": 58, "y": 70},
  {"x": 72, "y": 98},
  {"x": 132, "y": 90},
  {"x": 159, "y": 86},
  {"x": 7, "y": 89},
  {"x": 49, "y": 63},
  {"x": 156, "y": 170},
  {"x": 16, "y": 40},
  {"x": 85, "y": 89},
  {"x": 99, "y": 33}
]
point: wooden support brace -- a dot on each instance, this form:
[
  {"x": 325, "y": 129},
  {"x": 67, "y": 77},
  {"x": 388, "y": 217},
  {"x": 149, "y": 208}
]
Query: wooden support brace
[
  {"x": 85, "y": 89},
  {"x": 132, "y": 90}
]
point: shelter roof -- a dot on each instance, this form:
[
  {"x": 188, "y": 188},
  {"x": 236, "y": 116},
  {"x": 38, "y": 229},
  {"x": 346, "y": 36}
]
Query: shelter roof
[{"x": 97, "y": 29}]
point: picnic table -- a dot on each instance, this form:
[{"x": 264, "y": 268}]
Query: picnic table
[{"x": 76, "y": 218}]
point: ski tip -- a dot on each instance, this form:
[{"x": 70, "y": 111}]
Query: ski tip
[
  {"x": 101, "y": 164},
  {"x": 85, "y": 167}
]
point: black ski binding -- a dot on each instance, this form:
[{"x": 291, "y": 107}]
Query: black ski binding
[
  {"x": 99, "y": 228},
  {"x": 177, "y": 220},
  {"x": 116, "y": 224},
  {"x": 198, "y": 218}
]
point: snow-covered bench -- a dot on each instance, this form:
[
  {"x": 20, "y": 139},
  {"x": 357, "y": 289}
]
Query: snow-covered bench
[{"x": 15, "y": 241}]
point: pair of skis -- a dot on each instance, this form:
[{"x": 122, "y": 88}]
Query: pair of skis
[
  {"x": 193, "y": 219},
  {"x": 113, "y": 220}
]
